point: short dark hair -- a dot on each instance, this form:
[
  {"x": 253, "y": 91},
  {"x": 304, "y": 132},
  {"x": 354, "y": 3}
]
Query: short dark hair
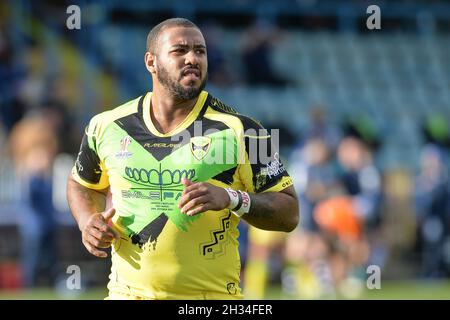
[{"x": 152, "y": 37}]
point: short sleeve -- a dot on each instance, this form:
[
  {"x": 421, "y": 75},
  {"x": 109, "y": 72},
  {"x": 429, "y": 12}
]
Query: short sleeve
[
  {"x": 262, "y": 170},
  {"x": 89, "y": 170}
]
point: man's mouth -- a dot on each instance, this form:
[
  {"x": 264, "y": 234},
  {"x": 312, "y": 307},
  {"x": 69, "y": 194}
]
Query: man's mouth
[{"x": 191, "y": 74}]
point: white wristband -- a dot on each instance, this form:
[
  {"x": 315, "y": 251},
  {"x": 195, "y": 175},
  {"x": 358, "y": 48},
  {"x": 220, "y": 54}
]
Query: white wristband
[
  {"x": 239, "y": 202},
  {"x": 234, "y": 198},
  {"x": 246, "y": 201}
]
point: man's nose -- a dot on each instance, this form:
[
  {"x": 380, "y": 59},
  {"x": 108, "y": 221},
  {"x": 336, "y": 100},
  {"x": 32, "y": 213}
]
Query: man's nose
[{"x": 191, "y": 58}]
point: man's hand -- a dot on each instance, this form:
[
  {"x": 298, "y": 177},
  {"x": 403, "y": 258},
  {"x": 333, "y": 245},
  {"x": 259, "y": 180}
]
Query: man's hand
[
  {"x": 97, "y": 234},
  {"x": 202, "y": 196}
]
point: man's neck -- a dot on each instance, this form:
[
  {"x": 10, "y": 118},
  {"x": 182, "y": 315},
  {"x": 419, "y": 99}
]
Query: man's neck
[{"x": 167, "y": 112}]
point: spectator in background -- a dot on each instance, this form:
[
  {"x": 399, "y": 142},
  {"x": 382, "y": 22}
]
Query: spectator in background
[
  {"x": 62, "y": 125},
  {"x": 437, "y": 131},
  {"x": 257, "y": 55},
  {"x": 219, "y": 72},
  {"x": 313, "y": 163},
  {"x": 320, "y": 127},
  {"x": 360, "y": 178},
  {"x": 358, "y": 172},
  {"x": 33, "y": 147},
  {"x": 432, "y": 197},
  {"x": 342, "y": 227},
  {"x": 308, "y": 273},
  {"x": 10, "y": 109},
  {"x": 23, "y": 82},
  {"x": 315, "y": 176},
  {"x": 2, "y": 139},
  {"x": 432, "y": 201}
]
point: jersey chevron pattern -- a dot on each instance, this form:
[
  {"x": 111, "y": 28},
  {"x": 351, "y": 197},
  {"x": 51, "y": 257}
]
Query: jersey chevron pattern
[{"x": 162, "y": 253}]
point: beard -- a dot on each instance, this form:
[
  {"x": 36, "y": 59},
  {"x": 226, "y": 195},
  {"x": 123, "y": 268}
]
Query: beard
[{"x": 180, "y": 92}]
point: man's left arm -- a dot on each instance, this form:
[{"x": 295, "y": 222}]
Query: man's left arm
[
  {"x": 275, "y": 211},
  {"x": 271, "y": 202}
]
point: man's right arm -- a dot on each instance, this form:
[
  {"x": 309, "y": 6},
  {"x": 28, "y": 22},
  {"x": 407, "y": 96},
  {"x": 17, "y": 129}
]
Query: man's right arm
[
  {"x": 87, "y": 187},
  {"x": 88, "y": 208}
]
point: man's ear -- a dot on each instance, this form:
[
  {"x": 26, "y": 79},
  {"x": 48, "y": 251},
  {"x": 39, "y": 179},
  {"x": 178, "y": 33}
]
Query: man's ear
[{"x": 150, "y": 62}]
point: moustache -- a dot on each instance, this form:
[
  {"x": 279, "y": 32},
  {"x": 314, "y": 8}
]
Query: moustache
[{"x": 191, "y": 69}]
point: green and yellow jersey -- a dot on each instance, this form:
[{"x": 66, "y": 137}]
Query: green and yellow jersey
[{"x": 162, "y": 253}]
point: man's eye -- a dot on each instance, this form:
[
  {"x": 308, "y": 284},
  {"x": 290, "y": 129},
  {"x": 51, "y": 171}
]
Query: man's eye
[{"x": 200, "y": 51}]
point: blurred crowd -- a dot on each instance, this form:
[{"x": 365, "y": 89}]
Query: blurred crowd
[{"x": 353, "y": 214}]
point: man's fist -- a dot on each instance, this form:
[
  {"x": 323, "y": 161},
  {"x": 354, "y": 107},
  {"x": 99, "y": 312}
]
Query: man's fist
[
  {"x": 97, "y": 234},
  {"x": 202, "y": 196}
]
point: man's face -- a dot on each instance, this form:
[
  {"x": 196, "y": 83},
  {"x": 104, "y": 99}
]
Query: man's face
[{"x": 181, "y": 62}]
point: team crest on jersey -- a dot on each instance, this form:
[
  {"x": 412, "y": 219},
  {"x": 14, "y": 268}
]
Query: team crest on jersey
[
  {"x": 200, "y": 147},
  {"x": 124, "y": 153}
]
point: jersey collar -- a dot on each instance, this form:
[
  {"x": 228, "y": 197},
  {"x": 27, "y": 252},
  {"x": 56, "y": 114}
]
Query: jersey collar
[{"x": 182, "y": 125}]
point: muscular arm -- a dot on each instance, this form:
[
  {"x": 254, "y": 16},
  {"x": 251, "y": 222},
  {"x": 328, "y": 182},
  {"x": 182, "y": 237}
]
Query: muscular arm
[
  {"x": 88, "y": 208},
  {"x": 84, "y": 202},
  {"x": 275, "y": 211}
]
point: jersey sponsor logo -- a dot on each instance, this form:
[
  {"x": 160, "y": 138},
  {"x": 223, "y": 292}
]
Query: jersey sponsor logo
[
  {"x": 200, "y": 146},
  {"x": 159, "y": 177},
  {"x": 151, "y": 195},
  {"x": 124, "y": 153},
  {"x": 275, "y": 167},
  {"x": 161, "y": 145}
]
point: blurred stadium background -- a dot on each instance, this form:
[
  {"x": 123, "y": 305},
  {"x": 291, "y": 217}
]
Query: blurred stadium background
[{"x": 363, "y": 116}]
